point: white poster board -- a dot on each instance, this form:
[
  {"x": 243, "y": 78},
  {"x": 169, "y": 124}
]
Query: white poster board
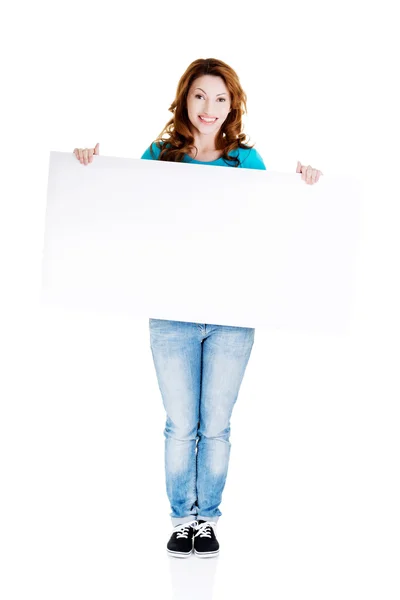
[{"x": 201, "y": 243}]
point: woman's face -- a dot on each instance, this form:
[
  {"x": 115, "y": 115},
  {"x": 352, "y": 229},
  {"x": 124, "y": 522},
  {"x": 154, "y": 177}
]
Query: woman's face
[{"x": 208, "y": 97}]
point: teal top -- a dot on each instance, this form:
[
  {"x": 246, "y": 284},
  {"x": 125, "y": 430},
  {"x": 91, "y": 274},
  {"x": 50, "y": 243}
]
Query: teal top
[{"x": 249, "y": 158}]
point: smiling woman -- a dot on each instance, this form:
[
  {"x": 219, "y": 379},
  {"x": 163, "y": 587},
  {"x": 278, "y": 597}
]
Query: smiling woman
[
  {"x": 200, "y": 367},
  {"x": 207, "y": 122}
]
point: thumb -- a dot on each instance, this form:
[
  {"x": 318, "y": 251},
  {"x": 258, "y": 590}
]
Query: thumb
[
  {"x": 298, "y": 170},
  {"x": 96, "y": 148}
]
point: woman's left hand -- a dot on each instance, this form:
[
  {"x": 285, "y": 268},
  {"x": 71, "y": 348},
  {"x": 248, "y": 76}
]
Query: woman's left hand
[{"x": 308, "y": 174}]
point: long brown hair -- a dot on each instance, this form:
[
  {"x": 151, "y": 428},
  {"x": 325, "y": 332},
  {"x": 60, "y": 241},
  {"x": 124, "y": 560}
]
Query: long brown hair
[{"x": 230, "y": 135}]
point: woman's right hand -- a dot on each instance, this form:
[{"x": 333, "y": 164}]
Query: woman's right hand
[{"x": 85, "y": 155}]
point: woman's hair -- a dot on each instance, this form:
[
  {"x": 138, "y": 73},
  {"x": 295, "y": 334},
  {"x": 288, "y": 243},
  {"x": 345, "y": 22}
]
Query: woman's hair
[{"x": 230, "y": 135}]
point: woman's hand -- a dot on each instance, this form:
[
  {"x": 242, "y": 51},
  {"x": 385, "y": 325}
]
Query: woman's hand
[
  {"x": 308, "y": 174},
  {"x": 85, "y": 155}
]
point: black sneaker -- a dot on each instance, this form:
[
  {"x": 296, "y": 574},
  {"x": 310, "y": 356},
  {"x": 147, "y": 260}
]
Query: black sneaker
[
  {"x": 181, "y": 541},
  {"x": 205, "y": 541}
]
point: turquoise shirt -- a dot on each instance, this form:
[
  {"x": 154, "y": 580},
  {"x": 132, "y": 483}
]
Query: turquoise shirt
[{"x": 249, "y": 158}]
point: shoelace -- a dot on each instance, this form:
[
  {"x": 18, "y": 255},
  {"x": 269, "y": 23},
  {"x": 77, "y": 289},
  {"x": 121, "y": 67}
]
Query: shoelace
[
  {"x": 182, "y": 530},
  {"x": 204, "y": 529}
]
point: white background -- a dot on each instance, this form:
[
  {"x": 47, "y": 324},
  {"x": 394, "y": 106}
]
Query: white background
[{"x": 310, "y": 507}]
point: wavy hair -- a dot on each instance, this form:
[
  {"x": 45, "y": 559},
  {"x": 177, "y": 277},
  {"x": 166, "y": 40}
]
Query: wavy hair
[{"x": 230, "y": 135}]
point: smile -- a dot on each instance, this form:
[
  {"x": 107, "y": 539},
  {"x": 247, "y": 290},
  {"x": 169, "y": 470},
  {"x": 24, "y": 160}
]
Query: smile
[{"x": 207, "y": 121}]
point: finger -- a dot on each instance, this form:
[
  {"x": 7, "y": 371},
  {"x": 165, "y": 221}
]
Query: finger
[
  {"x": 314, "y": 175},
  {"x": 308, "y": 174},
  {"x": 298, "y": 168},
  {"x": 80, "y": 155},
  {"x": 90, "y": 155},
  {"x": 85, "y": 156},
  {"x": 96, "y": 148}
]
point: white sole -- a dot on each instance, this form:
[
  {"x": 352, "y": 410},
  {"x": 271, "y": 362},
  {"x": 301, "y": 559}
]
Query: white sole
[
  {"x": 206, "y": 554},
  {"x": 179, "y": 554}
]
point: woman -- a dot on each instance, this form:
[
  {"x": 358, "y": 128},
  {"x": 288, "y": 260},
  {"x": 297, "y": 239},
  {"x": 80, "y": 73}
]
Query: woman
[{"x": 200, "y": 367}]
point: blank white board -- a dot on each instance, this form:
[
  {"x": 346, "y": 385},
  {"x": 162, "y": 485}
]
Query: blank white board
[{"x": 201, "y": 243}]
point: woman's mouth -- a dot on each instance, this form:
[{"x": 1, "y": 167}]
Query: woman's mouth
[{"x": 207, "y": 121}]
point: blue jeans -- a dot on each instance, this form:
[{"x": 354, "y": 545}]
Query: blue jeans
[{"x": 199, "y": 369}]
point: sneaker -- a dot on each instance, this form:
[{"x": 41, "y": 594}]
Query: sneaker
[
  {"x": 180, "y": 543},
  {"x": 205, "y": 541}
]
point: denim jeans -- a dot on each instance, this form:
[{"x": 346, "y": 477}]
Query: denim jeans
[{"x": 199, "y": 369}]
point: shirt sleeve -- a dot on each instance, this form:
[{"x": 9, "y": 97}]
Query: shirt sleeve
[
  {"x": 147, "y": 155},
  {"x": 253, "y": 160}
]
